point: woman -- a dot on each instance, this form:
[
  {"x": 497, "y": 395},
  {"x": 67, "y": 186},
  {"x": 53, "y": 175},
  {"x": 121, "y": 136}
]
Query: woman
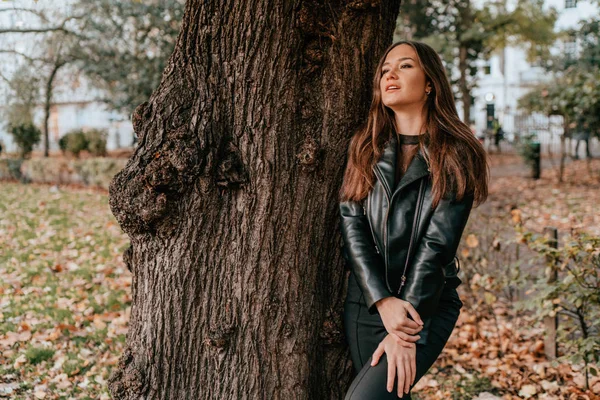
[{"x": 413, "y": 173}]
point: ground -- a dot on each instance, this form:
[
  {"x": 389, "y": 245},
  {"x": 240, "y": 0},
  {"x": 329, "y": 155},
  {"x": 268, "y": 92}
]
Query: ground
[{"x": 65, "y": 293}]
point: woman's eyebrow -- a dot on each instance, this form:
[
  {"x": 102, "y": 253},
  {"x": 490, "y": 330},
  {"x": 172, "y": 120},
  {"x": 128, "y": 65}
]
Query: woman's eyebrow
[{"x": 400, "y": 59}]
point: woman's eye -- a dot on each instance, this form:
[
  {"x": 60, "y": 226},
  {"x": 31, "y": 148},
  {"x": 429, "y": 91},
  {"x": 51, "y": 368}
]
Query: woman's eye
[
  {"x": 384, "y": 72},
  {"x": 406, "y": 65}
]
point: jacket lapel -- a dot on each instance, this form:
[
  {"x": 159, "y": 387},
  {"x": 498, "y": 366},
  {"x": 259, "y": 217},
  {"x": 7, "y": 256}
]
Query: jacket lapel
[{"x": 386, "y": 165}]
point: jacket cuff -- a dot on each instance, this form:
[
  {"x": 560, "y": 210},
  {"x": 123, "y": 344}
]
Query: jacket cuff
[{"x": 371, "y": 306}]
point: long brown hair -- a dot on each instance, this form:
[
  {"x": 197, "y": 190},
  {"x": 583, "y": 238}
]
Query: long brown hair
[{"x": 457, "y": 160}]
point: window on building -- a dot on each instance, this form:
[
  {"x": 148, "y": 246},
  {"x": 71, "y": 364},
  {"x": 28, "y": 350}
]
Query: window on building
[
  {"x": 487, "y": 68},
  {"x": 570, "y": 3}
]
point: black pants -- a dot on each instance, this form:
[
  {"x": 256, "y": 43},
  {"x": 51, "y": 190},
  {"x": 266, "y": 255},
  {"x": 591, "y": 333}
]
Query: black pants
[{"x": 364, "y": 332}]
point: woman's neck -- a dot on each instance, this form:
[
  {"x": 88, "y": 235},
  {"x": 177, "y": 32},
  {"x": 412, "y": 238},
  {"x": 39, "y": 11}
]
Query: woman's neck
[{"x": 409, "y": 122}]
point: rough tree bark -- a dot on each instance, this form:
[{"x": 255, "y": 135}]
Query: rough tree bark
[{"x": 230, "y": 201}]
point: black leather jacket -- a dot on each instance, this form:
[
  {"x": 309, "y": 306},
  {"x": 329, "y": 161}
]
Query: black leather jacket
[{"x": 379, "y": 232}]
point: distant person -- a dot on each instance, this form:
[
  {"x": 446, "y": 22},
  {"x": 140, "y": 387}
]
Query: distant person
[
  {"x": 582, "y": 135},
  {"x": 498, "y": 135}
]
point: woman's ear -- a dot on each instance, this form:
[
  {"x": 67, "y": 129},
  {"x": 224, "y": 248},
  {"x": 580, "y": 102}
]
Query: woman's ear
[{"x": 428, "y": 86}]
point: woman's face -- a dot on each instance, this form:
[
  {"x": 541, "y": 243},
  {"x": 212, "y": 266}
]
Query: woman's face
[{"x": 401, "y": 69}]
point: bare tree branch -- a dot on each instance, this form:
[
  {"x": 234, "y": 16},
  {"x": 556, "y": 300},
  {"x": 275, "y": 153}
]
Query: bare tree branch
[
  {"x": 59, "y": 28},
  {"x": 35, "y": 12},
  {"x": 4, "y": 78},
  {"x": 29, "y": 58}
]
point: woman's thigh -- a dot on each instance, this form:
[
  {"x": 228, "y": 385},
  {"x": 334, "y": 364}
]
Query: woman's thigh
[{"x": 364, "y": 332}]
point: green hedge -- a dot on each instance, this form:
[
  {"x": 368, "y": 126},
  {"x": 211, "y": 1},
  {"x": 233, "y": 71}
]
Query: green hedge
[
  {"x": 10, "y": 168},
  {"x": 92, "y": 140},
  {"x": 97, "y": 171}
]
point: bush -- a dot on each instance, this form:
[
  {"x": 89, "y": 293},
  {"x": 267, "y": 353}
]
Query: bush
[
  {"x": 25, "y": 135},
  {"x": 573, "y": 296},
  {"x": 62, "y": 143},
  {"x": 10, "y": 168},
  {"x": 527, "y": 148},
  {"x": 93, "y": 171},
  {"x": 76, "y": 141},
  {"x": 97, "y": 142}
]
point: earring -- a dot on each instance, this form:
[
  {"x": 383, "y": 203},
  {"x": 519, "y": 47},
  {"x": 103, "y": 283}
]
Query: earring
[{"x": 429, "y": 91}]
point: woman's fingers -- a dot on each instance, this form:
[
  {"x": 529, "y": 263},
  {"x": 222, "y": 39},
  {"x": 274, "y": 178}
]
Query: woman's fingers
[
  {"x": 413, "y": 363},
  {"x": 391, "y": 374},
  {"x": 413, "y": 313},
  {"x": 409, "y": 338},
  {"x": 409, "y": 326},
  {"x": 401, "y": 377},
  {"x": 377, "y": 354},
  {"x": 409, "y": 372}
]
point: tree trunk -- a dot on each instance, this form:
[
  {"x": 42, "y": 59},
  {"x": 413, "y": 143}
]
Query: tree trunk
[
  {"x": 48, "y": 104},
  {"x": 463, "y": 85},
  {"x": 230, "y": 202},
  {"x": 563, "y": 148}
]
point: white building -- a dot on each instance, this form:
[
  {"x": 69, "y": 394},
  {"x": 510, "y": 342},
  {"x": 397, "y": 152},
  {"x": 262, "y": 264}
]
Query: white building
[
  {"x": 74, "y": 104},
  {"x": 508, "y": 76}
]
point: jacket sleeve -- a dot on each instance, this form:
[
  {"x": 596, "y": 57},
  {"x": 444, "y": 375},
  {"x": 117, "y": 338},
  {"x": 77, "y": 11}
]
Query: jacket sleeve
[
  {"x": 425, "y": 279},
  {"x": 359, "y": 251}
]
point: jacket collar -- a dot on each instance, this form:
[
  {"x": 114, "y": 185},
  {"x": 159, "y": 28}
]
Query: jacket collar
[{"x": 386, "y": 166}]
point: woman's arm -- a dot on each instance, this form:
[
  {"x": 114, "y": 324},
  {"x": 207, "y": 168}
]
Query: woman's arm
[
  {"x": 437, "y": 248},
  {"x": 359, "y": 250}
]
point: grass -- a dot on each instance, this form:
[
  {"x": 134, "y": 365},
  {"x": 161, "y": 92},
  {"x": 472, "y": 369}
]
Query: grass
[{"x": 60, "y": 331}]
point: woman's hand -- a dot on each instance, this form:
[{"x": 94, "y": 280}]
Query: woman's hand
[
  {"x": 401, "y": 360},
  {"x": 394, "y": 314}
]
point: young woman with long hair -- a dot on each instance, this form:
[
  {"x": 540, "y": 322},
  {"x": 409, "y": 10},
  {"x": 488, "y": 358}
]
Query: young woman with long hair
[{"x": 414, "y": 171}]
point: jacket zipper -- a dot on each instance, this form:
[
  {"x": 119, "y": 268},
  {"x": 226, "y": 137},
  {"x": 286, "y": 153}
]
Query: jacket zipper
[
  {"x": 412, "y": 234},
  {"x": 371, "y": 226},
  {"x": 385, "y": 262}
]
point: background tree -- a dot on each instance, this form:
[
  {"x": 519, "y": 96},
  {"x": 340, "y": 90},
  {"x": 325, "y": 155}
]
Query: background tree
[
  {"x": 123, "y": 47},
  {"x": 23, "y": 91},
  {"x": 231, "y": 196},
  {"x": 573, "y": 90},
  {"x": 464, "y": 32},
  {"x": 48, "y": 52},
  {"x": 23, "y": 94},
  {"x": 49, "y": 65},
  {"x": 574, "y": 95}
]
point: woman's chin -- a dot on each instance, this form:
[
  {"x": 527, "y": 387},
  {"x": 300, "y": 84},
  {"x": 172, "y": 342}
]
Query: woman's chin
[{"x": 398, "y": 104}]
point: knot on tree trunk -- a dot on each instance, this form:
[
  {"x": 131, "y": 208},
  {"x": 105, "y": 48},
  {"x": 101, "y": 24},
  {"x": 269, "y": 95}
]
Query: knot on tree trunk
[
  {"x": 230, "y": 170},
  {"x": 141, "y": 113},
  {"x": 332, "y": 328},
  {"x": 308, "y": 154},
  {"x": 127, "y": 380},
  {"x": 220, "y": 337},
  {"x": 314, "y": 21},
  {"x": 140, "y": 201}
]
